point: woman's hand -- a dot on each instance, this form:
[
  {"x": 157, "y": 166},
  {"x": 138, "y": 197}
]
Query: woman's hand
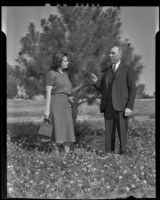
[
  {"x": 46, "y": 114},
  {"x": 82, "y": 84},
  {"x": 71, "y": 99},
  {"x": 75, "y": 89}
]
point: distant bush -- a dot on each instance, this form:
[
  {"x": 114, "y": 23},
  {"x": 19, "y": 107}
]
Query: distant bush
[
  {"x": 152, "y": 116},
  {"x": 33, "y": 87},
  {"x": 147, "y": 96},
  {"x": 11, "y": 87}
]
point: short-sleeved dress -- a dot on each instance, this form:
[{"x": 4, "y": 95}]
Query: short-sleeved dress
[{"x": 60, "y": 108}]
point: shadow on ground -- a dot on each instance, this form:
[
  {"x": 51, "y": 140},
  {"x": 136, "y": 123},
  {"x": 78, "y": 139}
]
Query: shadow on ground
[
  {"x": 88, "y": 135},
  {"x": 26, "y": 135}
]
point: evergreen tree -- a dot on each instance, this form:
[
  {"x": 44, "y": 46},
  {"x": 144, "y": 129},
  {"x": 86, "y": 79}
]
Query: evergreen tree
[
  {"x": 91, "y": 33},
  {"x": 86, "y": 33},
  {"x": 11, "y": 82},
  {"x": 36, "y": 53}
]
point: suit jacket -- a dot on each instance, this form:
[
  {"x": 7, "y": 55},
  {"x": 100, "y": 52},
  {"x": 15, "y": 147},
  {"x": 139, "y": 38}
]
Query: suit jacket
[{"x": 121, "y": 91}]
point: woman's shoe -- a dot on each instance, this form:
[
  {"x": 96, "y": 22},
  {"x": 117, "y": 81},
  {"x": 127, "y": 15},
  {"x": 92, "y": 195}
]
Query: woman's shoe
[
  {"x": 66, "y": 149},
  {"x": 36, "y": 143}
]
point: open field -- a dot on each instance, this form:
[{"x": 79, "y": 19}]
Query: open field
[
  {"x": 86, "y": 173},
  {"x": 30, "y": 110}
]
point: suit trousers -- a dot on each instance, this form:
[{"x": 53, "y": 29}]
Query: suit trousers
[{"x": 115, "y": 119}]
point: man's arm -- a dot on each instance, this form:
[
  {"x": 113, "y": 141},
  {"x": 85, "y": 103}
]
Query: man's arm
[
  {"x": 131, "y": 88},
  {"x": 96, "y": 83}
]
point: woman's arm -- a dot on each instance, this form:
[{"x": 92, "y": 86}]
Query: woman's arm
[
  {"x": 48, "y": 100},
  {"x": 75, "y": 89}
]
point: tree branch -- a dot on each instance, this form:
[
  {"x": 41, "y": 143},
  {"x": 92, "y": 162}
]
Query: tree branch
[{"x": 85, "y": 101}]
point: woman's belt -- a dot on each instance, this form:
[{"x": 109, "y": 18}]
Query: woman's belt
[{"x": 61, "y": 94}]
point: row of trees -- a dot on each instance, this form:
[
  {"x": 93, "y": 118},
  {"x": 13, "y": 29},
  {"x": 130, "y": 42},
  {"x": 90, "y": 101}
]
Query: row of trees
[
  {"x": 11, "y": 82},
  {"x": 15, "y": 88},
  {"x": 86, "y": 33}
]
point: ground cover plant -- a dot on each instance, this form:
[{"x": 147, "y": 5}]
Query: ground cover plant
[{"x": 87, "y": 172}]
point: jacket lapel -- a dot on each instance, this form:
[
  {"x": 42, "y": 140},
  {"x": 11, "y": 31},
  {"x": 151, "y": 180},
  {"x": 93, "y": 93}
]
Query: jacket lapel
[{"x": 108, "y": 75}]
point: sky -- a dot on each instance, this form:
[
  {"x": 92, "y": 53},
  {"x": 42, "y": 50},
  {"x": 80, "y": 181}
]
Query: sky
[{"x": 139, "y": 25}]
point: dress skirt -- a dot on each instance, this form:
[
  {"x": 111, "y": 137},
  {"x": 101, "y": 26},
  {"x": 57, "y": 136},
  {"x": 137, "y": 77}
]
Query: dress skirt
[{"x": 61, "y": 117}]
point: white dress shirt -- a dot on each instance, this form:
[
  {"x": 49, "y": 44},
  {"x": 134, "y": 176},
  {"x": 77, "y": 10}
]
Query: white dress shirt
[{"x": 115, "y": 67}]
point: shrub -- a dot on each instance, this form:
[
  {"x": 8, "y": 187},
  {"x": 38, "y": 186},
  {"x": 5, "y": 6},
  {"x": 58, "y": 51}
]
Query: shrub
[
  {"x": 32, "y": 87},
  {"x": 11, "y": 87},
  {"x": 152, "y": 116},
  {"x": 82, "y": 129}
]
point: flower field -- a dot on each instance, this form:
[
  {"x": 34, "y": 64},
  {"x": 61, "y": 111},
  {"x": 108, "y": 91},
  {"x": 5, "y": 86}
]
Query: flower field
[{"x": 87, "y": 172}]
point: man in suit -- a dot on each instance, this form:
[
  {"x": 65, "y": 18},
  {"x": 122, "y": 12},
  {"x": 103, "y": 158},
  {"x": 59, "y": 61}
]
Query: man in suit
[{"x": 118, "y": 91}]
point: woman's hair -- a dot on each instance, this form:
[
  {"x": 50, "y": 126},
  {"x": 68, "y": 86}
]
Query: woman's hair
[{"x": 57, "y": 60}]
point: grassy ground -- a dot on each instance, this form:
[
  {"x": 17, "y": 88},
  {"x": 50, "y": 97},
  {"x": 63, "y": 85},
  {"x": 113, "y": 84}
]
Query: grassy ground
[{"x": 42, "y": 172}]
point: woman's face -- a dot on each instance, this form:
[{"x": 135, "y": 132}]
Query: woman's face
[{"x": 65, "y": 62}]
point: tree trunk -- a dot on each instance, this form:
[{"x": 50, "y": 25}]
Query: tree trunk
[{"x": 74, "y": 112}]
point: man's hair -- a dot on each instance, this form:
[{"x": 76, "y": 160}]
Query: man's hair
[{"x": 119, "y": 49}]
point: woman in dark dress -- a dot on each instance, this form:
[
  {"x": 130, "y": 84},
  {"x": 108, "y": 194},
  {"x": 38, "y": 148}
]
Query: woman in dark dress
[{"x": 58, "y": 108}]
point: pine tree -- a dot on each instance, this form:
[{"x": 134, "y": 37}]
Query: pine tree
[
  {"x": 91, "y": 33},
  {"x": 36, "y": 53},
  {"x": 86, "y": 33}
]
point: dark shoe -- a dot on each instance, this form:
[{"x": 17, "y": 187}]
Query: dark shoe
[
  {"x": 127, "y": 152},
  {"x": 109, "y": 151},
  {"x": 113, "y": 150}
]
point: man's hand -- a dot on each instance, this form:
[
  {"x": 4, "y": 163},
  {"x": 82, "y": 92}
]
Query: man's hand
[
  {"x": 93, "y": 78},
  {"x": 128, "y": 112}
]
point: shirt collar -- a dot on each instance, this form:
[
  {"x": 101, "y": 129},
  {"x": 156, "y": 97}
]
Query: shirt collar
[{"x": 117, "y": 65}]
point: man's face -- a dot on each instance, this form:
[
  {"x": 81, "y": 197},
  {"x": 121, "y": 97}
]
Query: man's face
[{"x": 115, "y": 55}]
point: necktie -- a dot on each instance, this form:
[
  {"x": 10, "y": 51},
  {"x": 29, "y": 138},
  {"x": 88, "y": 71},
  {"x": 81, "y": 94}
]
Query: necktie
[{"x": 114, "y": 68}]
